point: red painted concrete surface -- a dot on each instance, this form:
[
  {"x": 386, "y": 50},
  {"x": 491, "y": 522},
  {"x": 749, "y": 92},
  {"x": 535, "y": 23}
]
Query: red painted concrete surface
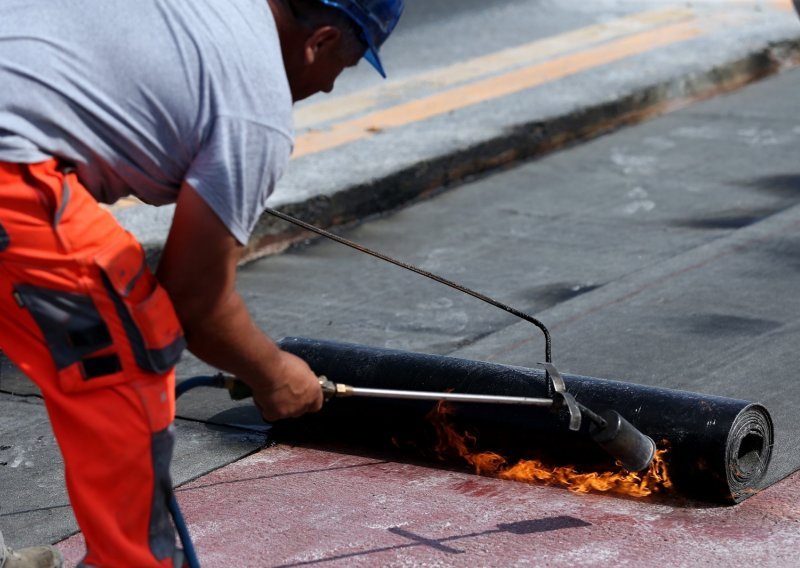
[{"x": 288, "y": 506}]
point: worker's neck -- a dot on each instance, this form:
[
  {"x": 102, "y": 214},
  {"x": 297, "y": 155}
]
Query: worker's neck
[{"x": 292, "y": 40}]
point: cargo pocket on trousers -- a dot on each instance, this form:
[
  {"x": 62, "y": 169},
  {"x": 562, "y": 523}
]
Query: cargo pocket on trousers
[
  {"x": 76, "y": 336},
  {"x": 143, "y": 306}
]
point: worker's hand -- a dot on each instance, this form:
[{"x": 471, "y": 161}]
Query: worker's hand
[
  {"x": 198, "y": 270},
  {"x": 291, "y": 391}
]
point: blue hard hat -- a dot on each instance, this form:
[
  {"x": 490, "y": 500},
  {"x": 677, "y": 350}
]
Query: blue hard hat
[{"x": 375, "y": 18}]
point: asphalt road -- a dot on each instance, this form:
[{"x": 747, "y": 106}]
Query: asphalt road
[{"x": 435, "y": 33}]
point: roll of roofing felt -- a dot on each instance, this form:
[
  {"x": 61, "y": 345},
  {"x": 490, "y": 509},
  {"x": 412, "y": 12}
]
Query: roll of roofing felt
[{"x": 718, "y": 448}]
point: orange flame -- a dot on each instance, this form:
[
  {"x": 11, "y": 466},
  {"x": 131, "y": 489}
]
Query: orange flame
[{"x": 491, "y": 464}]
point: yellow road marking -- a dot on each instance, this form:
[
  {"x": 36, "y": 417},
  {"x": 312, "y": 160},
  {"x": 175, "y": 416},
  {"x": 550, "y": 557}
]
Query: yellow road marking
[
  {"x": 337, "y": 108},
  {"x": 492, "y": 88}
]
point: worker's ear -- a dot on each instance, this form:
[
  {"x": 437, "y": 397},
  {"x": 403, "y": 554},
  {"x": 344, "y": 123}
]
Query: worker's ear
[{"x": 321, "y": 42}]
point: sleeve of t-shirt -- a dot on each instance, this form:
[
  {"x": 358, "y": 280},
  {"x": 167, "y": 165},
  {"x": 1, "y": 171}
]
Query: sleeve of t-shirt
[{"x": 237, "y": 169}]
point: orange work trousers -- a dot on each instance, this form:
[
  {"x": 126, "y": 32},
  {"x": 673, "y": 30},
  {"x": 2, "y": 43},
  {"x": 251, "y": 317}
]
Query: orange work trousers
[{"x": 82, "y": 316}]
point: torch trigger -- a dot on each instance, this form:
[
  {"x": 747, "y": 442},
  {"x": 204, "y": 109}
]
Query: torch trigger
[{"x": 562, "y": 398}]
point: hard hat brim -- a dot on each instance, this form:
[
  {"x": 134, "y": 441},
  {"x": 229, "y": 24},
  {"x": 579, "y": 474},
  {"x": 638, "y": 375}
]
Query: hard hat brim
[{"x": 371, "y": 55}]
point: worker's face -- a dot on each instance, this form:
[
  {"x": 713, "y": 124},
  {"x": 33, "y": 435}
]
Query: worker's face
[{"x": 324, "y": 61}]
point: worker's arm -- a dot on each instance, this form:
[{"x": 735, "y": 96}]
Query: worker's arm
[{"x": 198, "y": 270}]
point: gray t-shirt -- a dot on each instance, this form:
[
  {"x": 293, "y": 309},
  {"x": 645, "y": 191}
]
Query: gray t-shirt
[{"x": 141, "y": 95}]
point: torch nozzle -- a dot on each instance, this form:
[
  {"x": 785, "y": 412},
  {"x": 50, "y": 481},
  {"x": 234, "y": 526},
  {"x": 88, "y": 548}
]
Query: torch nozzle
[{"x": 633, "y": 449}]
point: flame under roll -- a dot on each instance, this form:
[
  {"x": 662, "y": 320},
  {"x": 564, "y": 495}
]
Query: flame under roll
[
  {"x": 719, "y": 448},
  {"x": 623, "y": 482}
]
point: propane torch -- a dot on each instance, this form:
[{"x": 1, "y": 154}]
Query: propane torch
[{"x": 618, "y": 437}]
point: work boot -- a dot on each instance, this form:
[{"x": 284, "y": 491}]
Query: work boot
[{"x": 34, "y": 557}]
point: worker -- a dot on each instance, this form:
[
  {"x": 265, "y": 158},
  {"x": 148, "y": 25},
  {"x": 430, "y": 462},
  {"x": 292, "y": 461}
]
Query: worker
[{"x": 171, "y": 101}]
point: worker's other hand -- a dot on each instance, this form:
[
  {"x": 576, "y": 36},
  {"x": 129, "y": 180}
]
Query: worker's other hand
[{"x": 292, "y": 390}]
